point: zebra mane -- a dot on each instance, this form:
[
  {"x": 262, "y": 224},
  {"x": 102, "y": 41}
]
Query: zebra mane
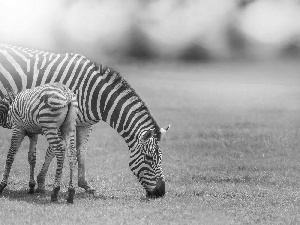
[{"x": 124, "y": 86}]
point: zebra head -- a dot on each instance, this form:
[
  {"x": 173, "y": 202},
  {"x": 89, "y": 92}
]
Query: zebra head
[
  {"x": 4, "y": 111},
  {"x": 146, "y": 162}
]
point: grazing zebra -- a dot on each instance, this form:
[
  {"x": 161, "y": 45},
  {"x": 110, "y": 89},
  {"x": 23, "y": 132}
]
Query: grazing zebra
[
  {"x": 50, "y": 110},
  {"x": 102, "y": 94}
]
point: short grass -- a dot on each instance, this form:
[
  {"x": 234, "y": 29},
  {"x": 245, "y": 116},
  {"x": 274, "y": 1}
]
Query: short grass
[{"x": 232, "y": 155}]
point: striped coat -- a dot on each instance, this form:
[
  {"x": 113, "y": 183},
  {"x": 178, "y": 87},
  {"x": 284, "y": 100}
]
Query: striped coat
[
  {"x": 50, "y": 110},
  {"x": 102, "y": 94}
]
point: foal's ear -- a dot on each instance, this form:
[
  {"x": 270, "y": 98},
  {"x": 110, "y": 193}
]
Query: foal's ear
[
  {"x": 11, "y": 95},
  {"x": 147, "y": 134},
  {"x": 2, "y": 100}
]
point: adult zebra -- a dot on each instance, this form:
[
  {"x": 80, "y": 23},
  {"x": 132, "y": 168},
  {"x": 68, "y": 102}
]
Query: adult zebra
[
  {"x": 50, "y": 110},
  {"x": 102, "y": 94}
]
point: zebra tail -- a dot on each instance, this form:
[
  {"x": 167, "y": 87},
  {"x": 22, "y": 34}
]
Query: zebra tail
[{"x": 69, "y": 124}]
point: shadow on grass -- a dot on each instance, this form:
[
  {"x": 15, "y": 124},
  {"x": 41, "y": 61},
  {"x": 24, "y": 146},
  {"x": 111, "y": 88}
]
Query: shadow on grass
[
  {"x": 22, "y": 195},
  {"x": 44, "y": 198}
]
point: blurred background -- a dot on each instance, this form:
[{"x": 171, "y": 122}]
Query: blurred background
[
  {"x": 189, "y": 30},
  {"x": 224, "y": 73}
]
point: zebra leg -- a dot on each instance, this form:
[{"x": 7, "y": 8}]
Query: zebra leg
[
  {"x": 16, "y": 140},
  {"x": 42, "y": 174},
  {"x": 82, "y": 136},
  {"x": 32, "y": 161},
  {"x": 60, "y": 156},
  {"x": 71, "y": 149}
]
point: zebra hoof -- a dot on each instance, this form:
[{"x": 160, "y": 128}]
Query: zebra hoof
[
  {"x": 97, "y": 195},
  {"x": 40, "y": 191},
  {"x": 31, "y": 191},
  {"x": 54, "y": 199},
  {"x": 2, "y": 186},
  {"x": 31, "y": 188},
  {"x": 91, "y": 191},
  {"x": 70, "y": 198},
  {"x": 55, "y": 194}
]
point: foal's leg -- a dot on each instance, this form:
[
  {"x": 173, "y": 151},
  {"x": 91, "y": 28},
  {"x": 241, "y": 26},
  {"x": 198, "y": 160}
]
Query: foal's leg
[
  {"x": 16, "y": 140},
  {"x": 56, "y": 144},
  {"x": 82, "y": 135},
  {"x": 32, "y": 161}
]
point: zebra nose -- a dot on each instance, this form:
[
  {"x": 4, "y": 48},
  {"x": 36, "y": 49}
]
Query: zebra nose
[
  {"x": 159, "y": 190},
  {"x": 160, "y": 187}
]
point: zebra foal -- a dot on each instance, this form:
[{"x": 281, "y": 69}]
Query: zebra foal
[{"x": 50, "y": 110}]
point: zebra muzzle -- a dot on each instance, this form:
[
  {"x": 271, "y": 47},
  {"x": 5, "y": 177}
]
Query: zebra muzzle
[{"x": 158, "y": 191}]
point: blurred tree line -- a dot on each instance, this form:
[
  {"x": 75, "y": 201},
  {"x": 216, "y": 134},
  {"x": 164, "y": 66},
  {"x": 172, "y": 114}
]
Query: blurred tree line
[{"x": 198, "y": 30}]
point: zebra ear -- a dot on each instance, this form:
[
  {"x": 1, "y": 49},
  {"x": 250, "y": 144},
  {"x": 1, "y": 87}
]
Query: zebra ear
[
  {"x": 164, "y": 130},
  {"x": 147, "y": 134},
  {"x": 3, "y": 99}
]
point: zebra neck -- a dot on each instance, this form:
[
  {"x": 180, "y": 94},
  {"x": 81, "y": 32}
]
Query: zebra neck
[
  {"x": 121, "y": 107},
  {"x": 130, "y": 120},
  {"x": 132, "y": 130}
]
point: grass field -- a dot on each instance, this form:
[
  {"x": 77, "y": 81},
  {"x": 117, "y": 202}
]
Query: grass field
[{"x": 232, "y": 155}]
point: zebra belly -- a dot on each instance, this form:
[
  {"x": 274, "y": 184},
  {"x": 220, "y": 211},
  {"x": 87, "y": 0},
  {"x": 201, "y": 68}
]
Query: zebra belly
[{"x": 32, "y": 129}]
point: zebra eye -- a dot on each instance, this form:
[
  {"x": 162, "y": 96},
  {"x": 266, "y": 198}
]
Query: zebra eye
[{"x": 148, "y": 158}]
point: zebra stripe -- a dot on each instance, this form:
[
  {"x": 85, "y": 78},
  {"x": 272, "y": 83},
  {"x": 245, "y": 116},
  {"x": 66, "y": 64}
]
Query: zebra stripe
[
  {"x": 50, "y": 110},
  {"x": 102, "y": 94}
]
